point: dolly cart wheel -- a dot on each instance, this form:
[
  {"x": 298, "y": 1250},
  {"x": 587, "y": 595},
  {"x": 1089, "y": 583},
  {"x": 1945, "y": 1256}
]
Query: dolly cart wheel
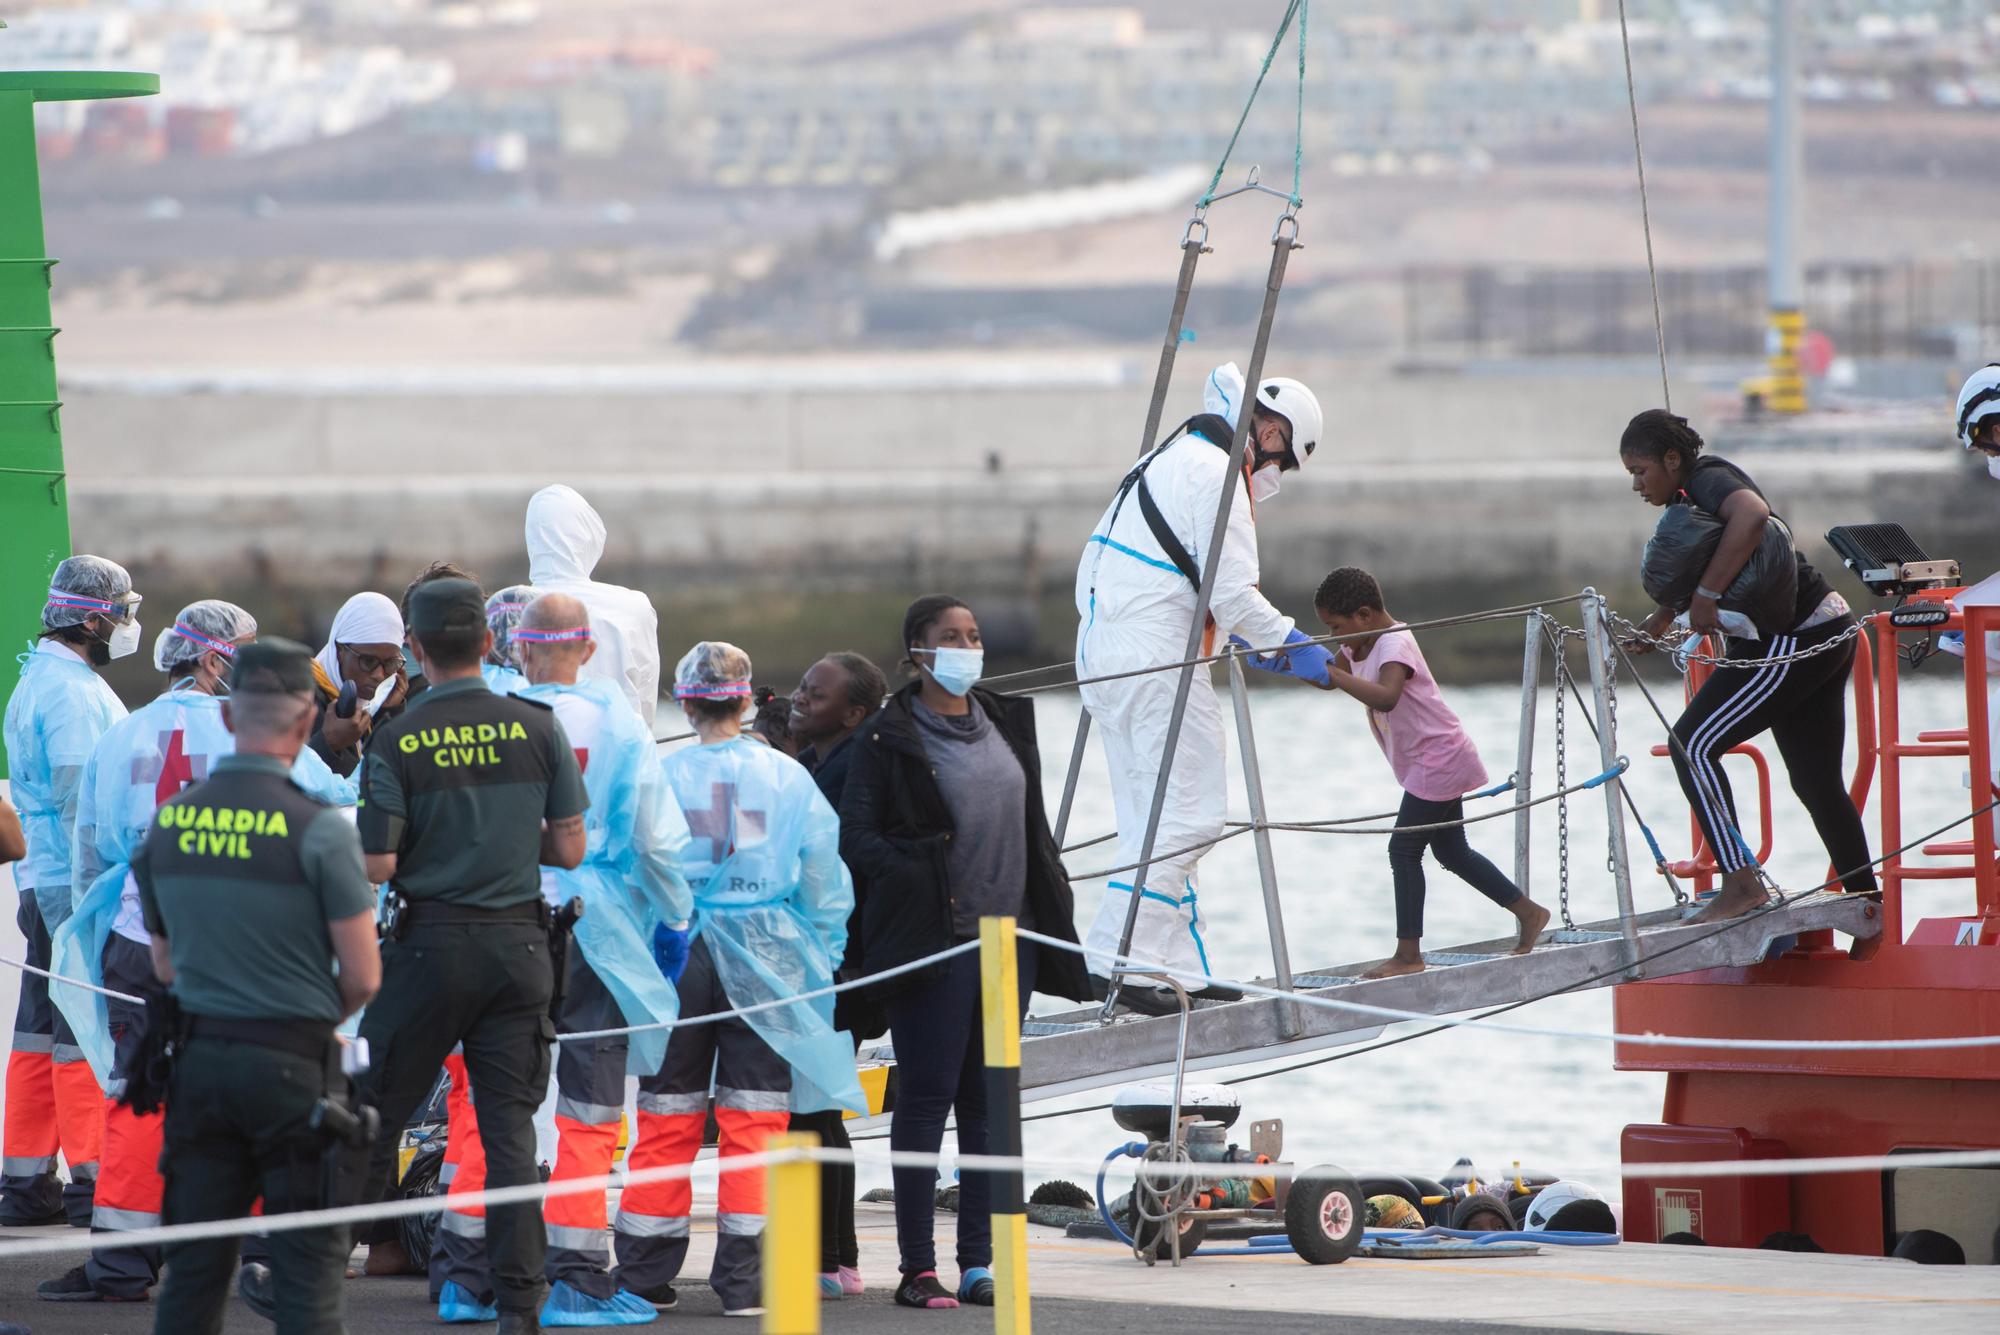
[
  {"x": 1324, "y": 1215},
  {"x": 1153, "y": 1237}
]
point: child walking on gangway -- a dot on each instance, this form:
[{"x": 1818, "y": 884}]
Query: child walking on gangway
[{"x": 1432, "y": 757}]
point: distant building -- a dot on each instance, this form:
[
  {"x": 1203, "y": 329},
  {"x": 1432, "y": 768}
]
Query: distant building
[{"x": 223, "y": 88}]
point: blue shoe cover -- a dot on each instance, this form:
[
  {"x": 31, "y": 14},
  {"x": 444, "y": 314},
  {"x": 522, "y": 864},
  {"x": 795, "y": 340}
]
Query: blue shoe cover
[
  {"x": 458, "y": 1307},
  {"x": 570, "y": 1306},
  {"x": 975, "y": 1286}
]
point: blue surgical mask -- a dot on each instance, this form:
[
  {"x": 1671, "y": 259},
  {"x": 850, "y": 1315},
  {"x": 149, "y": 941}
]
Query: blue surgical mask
[{"x": 956, "y": 669}]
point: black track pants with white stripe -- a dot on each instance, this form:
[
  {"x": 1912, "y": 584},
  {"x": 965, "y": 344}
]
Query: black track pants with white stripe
[{"x": 1803, "y": 704}]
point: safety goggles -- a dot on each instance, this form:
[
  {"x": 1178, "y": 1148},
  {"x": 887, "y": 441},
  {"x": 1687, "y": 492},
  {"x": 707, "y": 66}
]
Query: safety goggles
[
  {"x": 208, "y": 642},
  {"x": 120, "y": 609}
]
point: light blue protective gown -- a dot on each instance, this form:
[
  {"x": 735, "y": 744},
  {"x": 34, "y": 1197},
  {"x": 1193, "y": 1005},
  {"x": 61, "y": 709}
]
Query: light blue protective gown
[
  {"x": 771, "y": 899},
  {"x": 54, "y": 719},
  {"x": 135, "y": 769},
  {"x": 503, "y": 680},
  {"x": 634, "y": 838}
]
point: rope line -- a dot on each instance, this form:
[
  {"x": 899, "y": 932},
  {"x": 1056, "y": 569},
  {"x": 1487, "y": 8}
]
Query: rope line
[
  {"x": 716, "y": 1017},
  {"x": 1645, "y": 208},
  {"x": 1137, "y": 963},
  {"x": 534, "y": 1193},
  {"x": 688, "y": 1021},
  {"x": 25, "y": 967},
  {"x": 1291, "y": 11},
  {"x": 1238, "y": 827},
  {"x": 1494, "y": 791}
]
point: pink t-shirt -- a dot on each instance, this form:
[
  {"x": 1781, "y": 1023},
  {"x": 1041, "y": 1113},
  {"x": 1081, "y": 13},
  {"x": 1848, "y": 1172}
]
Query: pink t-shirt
[{"x": 1424, "y": 741}]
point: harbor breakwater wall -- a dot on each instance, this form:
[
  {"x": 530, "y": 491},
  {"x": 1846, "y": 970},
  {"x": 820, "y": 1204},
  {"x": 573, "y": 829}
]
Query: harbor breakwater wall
[{"x": 805, "y": 508}]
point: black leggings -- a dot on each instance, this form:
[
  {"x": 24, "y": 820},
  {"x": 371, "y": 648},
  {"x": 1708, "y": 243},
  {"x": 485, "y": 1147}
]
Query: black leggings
[
  {"x": 1804, "y": 705},
  {"x": 837, "y": 1244},
  {"x": 1454, "y": 854}
]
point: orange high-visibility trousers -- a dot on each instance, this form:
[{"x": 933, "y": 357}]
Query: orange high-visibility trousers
[
  {"x": 53, "y": 1102},
  {"x": 129, "y": 1185},
  {"x": 752, "y": 1103},
  {"x": 590, "y": 1103},
  {"x": 458, "y": 1255}
]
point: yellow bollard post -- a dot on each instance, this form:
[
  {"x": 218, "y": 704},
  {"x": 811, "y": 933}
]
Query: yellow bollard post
[
  {"x": 1000, "y": 989},
  {"x": 791, "y": 1239}
]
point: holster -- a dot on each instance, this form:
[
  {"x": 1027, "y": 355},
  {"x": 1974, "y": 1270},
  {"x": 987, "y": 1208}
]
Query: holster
[
  {"x": 394, "y": 918},
  {"x": 150, "y": 1072},
  {"x": 561, "y": 924},
  {"x": 349, "y": 1129}
]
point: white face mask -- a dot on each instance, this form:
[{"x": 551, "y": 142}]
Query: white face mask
[
  {"x": 1265, "y": 482},
  {"x": 1993, "y": 466},
  {"x": 124, "y": 641}
]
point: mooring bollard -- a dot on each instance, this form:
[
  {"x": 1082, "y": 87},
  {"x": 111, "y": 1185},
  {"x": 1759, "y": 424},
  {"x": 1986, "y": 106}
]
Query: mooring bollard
[
  {"x": 1000, "y": 990},
  {"x": 791, "y": 1239}
]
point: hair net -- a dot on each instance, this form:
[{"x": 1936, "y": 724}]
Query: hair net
[
  {"x": 713, "y": 670},
  {"x": 503, "y": 613},
  {"x": 210, "y": 626},
  {"x": 84, "y": 587},
  {"x": 366, "y": 618}
]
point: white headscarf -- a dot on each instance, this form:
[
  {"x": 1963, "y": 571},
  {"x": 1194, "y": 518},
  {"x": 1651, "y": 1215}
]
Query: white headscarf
[{"x": 366, "y": 618}]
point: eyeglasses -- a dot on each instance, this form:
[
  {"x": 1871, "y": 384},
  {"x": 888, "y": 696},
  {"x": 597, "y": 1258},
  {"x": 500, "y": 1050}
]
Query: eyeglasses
[{"x": 369, "y": 663}]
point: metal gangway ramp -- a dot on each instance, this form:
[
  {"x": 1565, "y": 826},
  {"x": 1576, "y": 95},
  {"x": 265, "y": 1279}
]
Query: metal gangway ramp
[{"x": 1074, "y": 1051}]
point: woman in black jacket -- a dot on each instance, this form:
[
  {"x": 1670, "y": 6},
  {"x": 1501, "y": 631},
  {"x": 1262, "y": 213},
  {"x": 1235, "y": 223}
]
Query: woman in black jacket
[
  {"x": 1770, "y": 682},
  {"x": 942, "y": 823}
]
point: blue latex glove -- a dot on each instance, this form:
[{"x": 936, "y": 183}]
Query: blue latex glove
[
  {"x": 1307, "y": 662},
  {"x": 670, "y": 951}
]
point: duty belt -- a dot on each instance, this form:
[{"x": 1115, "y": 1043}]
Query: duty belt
[
  {"x": 431, "y": 912},
  {"x": 308, "y": 1039}
]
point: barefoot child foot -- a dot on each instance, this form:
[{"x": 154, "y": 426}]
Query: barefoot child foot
[
  {"x": 1533, "y": 919},
  {"x": 1407, "y": 959}
]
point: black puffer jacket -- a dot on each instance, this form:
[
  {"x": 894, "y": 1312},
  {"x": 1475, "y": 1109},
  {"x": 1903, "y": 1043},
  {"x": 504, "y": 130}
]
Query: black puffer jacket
[{"x": 893, "y": 829}]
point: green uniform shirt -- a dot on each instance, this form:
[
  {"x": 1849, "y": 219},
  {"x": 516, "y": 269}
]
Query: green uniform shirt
[
  {"x": 241, "y": 874},
  {"x": 458, "y": 788}
]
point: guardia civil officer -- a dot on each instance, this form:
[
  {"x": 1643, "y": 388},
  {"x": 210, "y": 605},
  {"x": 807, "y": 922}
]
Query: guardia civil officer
[
  {"x": 252, "y": 890},
  {"x": 463, "y": 798}
]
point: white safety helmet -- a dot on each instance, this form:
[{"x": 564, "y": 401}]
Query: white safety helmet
[
  {"x": 1550, "y": 1200},
  {"x": 1296, "y": 404},
  {"x": 1978, "y": 400}
]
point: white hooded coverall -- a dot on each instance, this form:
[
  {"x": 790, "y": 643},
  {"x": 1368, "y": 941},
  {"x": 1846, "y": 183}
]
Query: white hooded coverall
[
  {"x": 565, "y": 543},
  {"x": 1136, "y": 608}
]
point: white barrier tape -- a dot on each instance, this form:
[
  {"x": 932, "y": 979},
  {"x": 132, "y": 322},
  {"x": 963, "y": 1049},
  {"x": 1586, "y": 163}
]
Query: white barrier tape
[
  {"x": 962, "y": 948},
  {"x": 25, "y": 967},
  {"x": 1854, "y": 1163},
  {"x": 1131, "y": 962},
  {"x": 1176, "y": 1169},
  {"x": 362, "y": 1214}
]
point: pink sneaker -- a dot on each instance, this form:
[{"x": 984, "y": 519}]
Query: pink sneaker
[
  {"x": 829, "y": 1285},
  {"x": 850, "y": 1280}
]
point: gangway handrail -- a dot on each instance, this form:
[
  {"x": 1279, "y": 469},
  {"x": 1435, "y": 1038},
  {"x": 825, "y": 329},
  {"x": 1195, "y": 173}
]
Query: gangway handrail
[{"x": 1006, "y": 679}]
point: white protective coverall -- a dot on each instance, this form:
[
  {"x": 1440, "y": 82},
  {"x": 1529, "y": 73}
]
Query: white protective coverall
[
  {"x": 565, "y": 543},
  {"x": 1136, "y": 608}
]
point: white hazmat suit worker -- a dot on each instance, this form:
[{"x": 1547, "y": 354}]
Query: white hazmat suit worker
[
  {"x": 565, "y": 543},
  {"x": 1135, "y": 595}
]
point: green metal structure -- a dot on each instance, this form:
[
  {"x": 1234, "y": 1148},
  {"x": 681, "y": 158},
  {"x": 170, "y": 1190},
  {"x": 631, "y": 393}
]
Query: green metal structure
[{"x": 34, "y": 504}]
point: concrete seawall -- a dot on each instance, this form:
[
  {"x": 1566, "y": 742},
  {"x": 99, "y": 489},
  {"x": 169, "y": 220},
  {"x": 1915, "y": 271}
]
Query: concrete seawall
[{"x": 842, "y": 486}]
